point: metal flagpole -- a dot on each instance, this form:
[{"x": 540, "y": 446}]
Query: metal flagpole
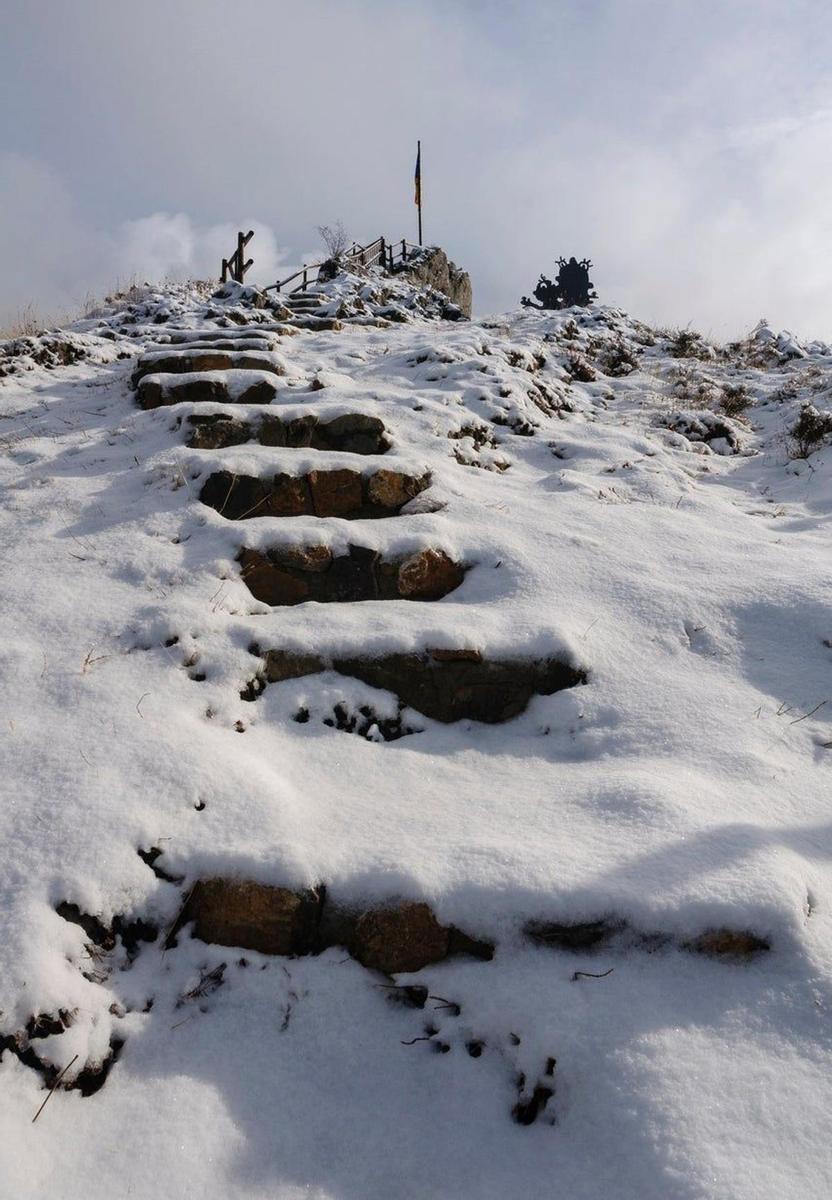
[{"x": 419, "y": 185}]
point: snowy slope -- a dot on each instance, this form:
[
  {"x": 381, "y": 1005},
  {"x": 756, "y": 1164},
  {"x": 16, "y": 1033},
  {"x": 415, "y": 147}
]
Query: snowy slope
[{"x": 611, "y": 517}]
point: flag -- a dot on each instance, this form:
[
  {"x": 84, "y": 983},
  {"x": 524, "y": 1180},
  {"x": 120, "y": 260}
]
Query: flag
[{"x": 417, "y": 179}]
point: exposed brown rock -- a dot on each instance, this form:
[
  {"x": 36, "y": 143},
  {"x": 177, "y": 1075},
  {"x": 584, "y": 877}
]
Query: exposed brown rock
[
  {"x": 150, "y": 394},
  {"x": 429, "y": 575},
  {"x": 214, "y": 431},
  {"x": 335, "y": 493},
  {"x": 341, "y": 493},
  {"x": 728, "y": 943},
  {"x": 224, "y": 339},
  {"x": 586, "y": 935},
  {"x": 287, "y": 664},
  {"x": 447, "y": 691},
  {"x": 406, "y": 938},
  {"x": 451, "y": 656},
  {"x": 461, "y": 943},
  {"x": 353, "y": 432},
  {"x": 270, "y": 431},
  {"x": 153, "y": 391},
  {"x": 391, "y": 489},
  {"x": 254, "y": 916},
  {"x": 186, "y": 362},
  {"x": 360, "y": 574},
  {"x": 432, "y": 267},
  {"x": 303, "y": 558},
  {"x": 300, "y": 431},
  {"x": 262, "y": 391},
  {"x": 453, "y": 690},
  {"x": 268, "y": 583},
  {"x": 289, "y": 497}
]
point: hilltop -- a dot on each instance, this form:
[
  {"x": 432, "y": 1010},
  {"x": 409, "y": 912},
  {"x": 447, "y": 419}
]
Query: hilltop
[{"x": 466, "y": 687}]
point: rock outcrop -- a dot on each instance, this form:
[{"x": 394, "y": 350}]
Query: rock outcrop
[{"x": 432, "y": 267}]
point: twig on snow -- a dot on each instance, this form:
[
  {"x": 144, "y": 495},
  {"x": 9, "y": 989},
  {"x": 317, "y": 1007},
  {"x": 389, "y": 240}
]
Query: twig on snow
[
  {"x": 176, "y": 919},
  {"x": 591, "y": 974},
  {"x": 52, "y": 1089},
  {"x": 89, "y": 662},
  {"x": 797, "y": 720}
]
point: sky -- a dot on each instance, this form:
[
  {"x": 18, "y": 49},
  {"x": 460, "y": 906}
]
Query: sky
[{"x": 682, "y": 145}]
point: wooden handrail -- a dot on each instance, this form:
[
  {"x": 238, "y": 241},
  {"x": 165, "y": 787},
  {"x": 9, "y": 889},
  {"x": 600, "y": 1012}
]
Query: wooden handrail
[{"x": 380, "y": 250}]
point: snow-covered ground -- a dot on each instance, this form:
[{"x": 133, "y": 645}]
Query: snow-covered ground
[{"x": 611, "y": 516}]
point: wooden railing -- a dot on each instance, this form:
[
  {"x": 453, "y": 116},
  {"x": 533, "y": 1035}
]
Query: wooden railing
[{"x": 377, "y": 253}]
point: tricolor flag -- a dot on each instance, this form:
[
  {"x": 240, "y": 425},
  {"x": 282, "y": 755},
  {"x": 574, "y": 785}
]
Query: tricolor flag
[{"x": 417, "y": 178}]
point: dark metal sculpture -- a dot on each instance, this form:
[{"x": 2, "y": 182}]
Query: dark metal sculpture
[{"x": 573, "y": 286}]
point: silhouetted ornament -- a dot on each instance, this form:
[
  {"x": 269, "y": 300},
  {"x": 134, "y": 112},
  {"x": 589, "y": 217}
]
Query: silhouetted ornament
[{"x": 572, "y": 287}]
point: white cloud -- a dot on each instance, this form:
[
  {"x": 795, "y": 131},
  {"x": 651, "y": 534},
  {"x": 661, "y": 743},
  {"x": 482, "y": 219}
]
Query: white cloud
[
  {"x": 53, "y": 258},
  {"x": 678, "y": 145}
]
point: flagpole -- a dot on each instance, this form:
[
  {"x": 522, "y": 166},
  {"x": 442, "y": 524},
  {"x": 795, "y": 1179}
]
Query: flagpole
[{"x": 419, "y": 160}]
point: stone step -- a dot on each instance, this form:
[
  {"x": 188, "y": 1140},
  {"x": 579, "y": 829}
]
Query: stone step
[
  {"x": 275, "y": 920},
  {"x": 303, "y": 321},
  {"x": 264, "y": 345},
  {"x": 300, "y": 299},
  {"x": 191, "y": 361},
  {"x": 222, "y": 338},
  {"x": 289, "y": 575},
  {"x": 355, "y": 433},
  {"x": 237, "y": 386},
  {"x": 445, "y": 685},
  {"x": 341, "y": 493},
  {"x": 394, "y": 936}
]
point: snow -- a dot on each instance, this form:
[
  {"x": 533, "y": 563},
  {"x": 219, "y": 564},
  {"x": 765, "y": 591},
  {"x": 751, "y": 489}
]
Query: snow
[{"x": 685, "y": 787}]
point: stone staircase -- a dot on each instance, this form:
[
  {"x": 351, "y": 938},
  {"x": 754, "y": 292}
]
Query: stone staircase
[
  {"x": 202, "y": 369},
  {"x": 235, "y": 395}
]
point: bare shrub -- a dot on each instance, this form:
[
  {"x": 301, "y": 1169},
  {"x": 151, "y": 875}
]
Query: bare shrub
[{"x": 335, "y": 238}]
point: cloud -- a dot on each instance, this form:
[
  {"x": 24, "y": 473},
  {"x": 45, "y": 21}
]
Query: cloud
[
  {"x": 171, "y": 246},
  {"x": 678, "y": 145},
  {"x": 54, "y": 258}
]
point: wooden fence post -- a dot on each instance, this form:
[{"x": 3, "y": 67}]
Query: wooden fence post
[{"x": 236, "y": 265}]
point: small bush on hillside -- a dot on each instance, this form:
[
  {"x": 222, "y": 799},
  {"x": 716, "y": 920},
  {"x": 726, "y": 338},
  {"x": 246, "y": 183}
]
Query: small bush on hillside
[
  {"x": 788, "y": 390},
  {"x": 687, "y": 384},
  {"x": 618, "y": 360},
  {"x": 580, "y": 370},
  {"x": 570, "y": 331},
  {"x": 685, "y": 343},
  {"x": 735, "y": 399},
  {"x": 810, "y": 431}
]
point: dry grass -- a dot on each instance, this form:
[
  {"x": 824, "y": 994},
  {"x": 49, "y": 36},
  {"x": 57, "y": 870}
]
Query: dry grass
[
  {"x": 29, "y": 322},
  {"x": 26, "y": 323}
]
